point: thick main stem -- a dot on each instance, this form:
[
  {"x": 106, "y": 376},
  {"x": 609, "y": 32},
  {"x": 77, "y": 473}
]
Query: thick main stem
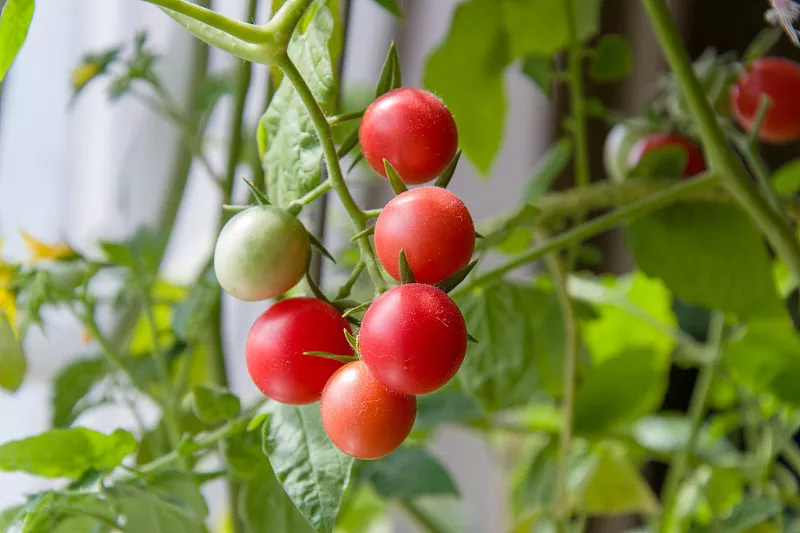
[
  {"x": 357, "y": 218},
  {"x": 697, "y": 410},
  {"x": 733, "y": 175},
  {"x": 242, "y": 30}
]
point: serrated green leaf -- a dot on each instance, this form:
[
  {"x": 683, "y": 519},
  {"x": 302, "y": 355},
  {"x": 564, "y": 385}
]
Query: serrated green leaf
[
  {"x": 66, "y": 452},
  {"x": 502, "y": 371},
  {"x": 540, "y": 26},
  {"x": 786, "y": 180},
  {"x": 12, "y": 357},
  {"x": 616, "y": 487},
  {"x": 709, "y": 255},
  {"x": 312, "y": 471},
  {"x": 766, "y": 359},
  {"x": 473, "y": 55},
  {"x": 612, "y": 59},
  {"x": 541, "y": 71},
  {"x": 213, "y": 404},
  {"x": 293, "y": 155},
  {"x": 15, "y": 20},
  {"x": 71, "y": 385},
  {"x": 409, "y": 472}
]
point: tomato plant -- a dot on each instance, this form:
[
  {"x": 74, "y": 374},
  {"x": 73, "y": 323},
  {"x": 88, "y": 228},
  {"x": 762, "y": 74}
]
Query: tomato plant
[
  {"x": 433, "y": 228},
  {"x": 413, "y": 130},
  {"x": 362, "y": 417},
  {"x": 392, "y": 352},
  {"x": 277, "y": 344}
]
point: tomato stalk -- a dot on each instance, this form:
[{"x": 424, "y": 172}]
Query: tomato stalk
[
  {"x": 683, "y": 189},
  {"x": 323, "y": 129},
  {"x": 733, "y": 175},
  {"x": 697, "y": 410}
]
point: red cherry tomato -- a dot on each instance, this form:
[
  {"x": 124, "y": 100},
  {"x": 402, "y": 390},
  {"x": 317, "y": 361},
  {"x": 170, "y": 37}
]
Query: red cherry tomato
[
  {"x": 275, "y": 348},
  {"x": 434, "y": 229},
  {"x": 363, "y": 418},
  {"x": 779, "y": 79},
  {"x": 695, "y": 164},
  {"x": 413, "y": 338},
  {"x": 413, "y": 130}
]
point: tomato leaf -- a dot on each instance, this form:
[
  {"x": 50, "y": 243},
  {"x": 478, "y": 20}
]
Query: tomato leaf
[
  {"x": 548, "y": 167},
  {"x": 662, "y": 162},
  {"x": 690, "y": 247},
  {"x": 394, "y": 178},
  {"x": 749, "y": 513},
  {"x": 12, "y": 357},
  {"x": 406, "y": 275},
  {"x": 474, "y": 54},
  {"x": 15, "y": 20},
  {"x": 612, "y": 59},
  {"x": 290, "y": 150},
  {"x": 66, "y": 452},
  {"x": 444, "y": 179},
  {"x": 213, "y": 404},
  {"x": 391, "y": 6},
  {"x": 144, "y": 509},
  {"x": 541, "y": 71},
  {"x": 312, "y": 471},
  {"x": 409, "y": 472},
  {"x": 616, "y": 487},
  {"x": 71, "y": 386},
  {"x": 766, "y": 359},
  {"x": 786, "y": 179}
]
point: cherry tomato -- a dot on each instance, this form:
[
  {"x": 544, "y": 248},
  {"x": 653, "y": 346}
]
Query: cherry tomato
[
  {"x": 413, "y": 130},
  {"x": 618, "y": 145},
  {"x": 274, "y": 351},
  {"x": 363, "y": 418},
  {"x": 779, "y": 79},
  {"x": 261, "y": 253},
  {"x": 695, "y": 164},
  {"x": 434, "y": 229},
  {"x": 413, "y": 338}
]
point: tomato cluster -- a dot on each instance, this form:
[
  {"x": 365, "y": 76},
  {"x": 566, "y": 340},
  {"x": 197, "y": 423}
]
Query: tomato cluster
[{"x": 412, "y": 338}]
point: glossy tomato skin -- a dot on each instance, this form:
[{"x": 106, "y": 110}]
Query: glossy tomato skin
[
  {"x": 695, "y": 164},
  {"x": 413, "y": 130},
  {"x": 413, "y": 338},
  {"x": 434, "y": 229},
  {"x": 363, "y": 418},
  {"x": 779, "y": 79},
  {"x": 261, "y": 253},
  {"x": 274, "y": 351}
]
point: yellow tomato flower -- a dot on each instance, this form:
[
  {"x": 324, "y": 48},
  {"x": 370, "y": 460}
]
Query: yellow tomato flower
[
  {"x": 83, "y": 74},
  {"x": 41, "y": 251}
]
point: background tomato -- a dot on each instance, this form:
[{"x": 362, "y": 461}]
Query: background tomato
[
  {"x": 261, "y": 253},
  {"x": 779, "y": 79},
  {"x": 363, "y": 418},
  {"x": 413, "y": 130},
  {"x": 413, "y": 338},
  {"x": 695, "y": 164},
  {"x": 434, "y": 229},
  {"x": 618, "y": 145},
  {"x": 275, "y": 348}
]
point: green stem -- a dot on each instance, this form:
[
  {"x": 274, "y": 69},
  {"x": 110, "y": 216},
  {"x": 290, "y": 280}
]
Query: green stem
[
  {"x": 310, "y": 196},
  {"x": 578, "y": 112},
  {"x": 250, "y": 33},
  {"x": 559, "y": 274},
  {"x": 345, "y": 117},
  {"x": 357, "y": 218},
  {"x": 594, "y": 227},
  {"x": 372, "y": 213},
  {"x": 697, "y": 411},
  {"x": 723, "y": 160},
  {"x": 421, "y": 517},
  {"x": 761, "y": 172},
  {"x": 344, "y": 290}
]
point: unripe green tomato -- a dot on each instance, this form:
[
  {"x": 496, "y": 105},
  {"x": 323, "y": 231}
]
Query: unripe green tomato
[
  {"x": 618, "y": 145},
  {"x": 261, "y": 253}
]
